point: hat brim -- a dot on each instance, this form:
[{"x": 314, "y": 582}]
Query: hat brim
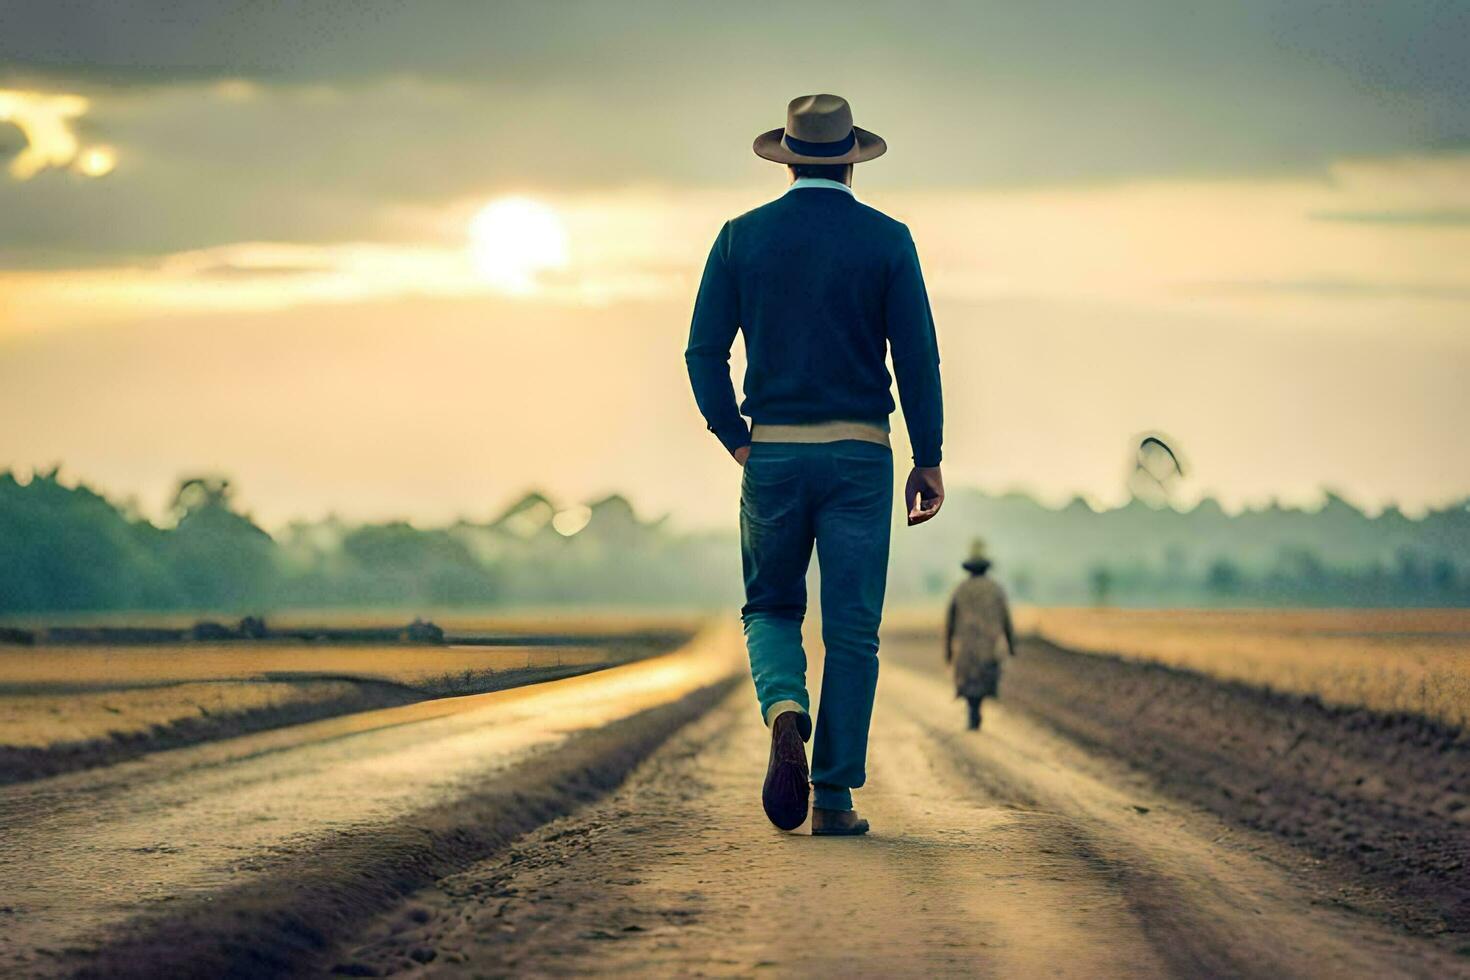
[{"x": 868, "y": 146}]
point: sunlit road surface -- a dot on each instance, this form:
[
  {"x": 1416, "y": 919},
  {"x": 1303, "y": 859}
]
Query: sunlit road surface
[
  {"x": 1005, "y": 853},
  {"x": 84, "y": 851}
]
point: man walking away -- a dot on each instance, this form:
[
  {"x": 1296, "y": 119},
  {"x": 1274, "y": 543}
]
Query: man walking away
[
  {"x": 977, "y": 633},
  {"x": 822, "y": 287}
]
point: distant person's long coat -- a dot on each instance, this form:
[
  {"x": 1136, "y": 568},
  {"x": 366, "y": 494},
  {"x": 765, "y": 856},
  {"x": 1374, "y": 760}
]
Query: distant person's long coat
[{"x": 977, "y": 635}]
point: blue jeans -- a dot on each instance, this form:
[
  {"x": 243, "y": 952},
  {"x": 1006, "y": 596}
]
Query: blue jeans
[{"x": 837, "y": 496}]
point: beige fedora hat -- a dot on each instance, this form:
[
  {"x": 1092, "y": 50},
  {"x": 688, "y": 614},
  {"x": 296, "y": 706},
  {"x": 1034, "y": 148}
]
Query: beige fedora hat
[
  {"x": 979, "y": 559},
  {"x": 819, "y": 129}
]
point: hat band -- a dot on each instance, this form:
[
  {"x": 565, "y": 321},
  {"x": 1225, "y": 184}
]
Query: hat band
[{"x": 833, "y": 149}]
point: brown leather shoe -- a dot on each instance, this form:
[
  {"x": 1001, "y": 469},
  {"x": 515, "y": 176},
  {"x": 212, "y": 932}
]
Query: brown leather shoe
[
  {"x": 837, "y": 823},
  {"x": 785, "y": 794}
]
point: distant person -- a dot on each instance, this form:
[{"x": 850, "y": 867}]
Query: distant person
[
  {"x": 822, "y": 287},
  {"x": 977, "y": 633}
]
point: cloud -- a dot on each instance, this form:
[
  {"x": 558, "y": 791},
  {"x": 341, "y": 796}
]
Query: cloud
[
  {"x": 46, "y": 120},
  {"x": 624, "y": 247},
  {"x": 1423, "y": 190},
  {"x": 245, "y": 261},
  {"x": 1430, "y": 218},
  {"x": 1431, "y": 182},
  {"x": 1351, "y": 288},
  {"x": 1246, "y": 248},
  {"x": 420, "y": 102},
  {"x": 326, "y": 122}
]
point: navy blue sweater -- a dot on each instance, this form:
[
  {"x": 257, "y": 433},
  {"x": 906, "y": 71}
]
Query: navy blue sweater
[{"x": 822, "y": 286}]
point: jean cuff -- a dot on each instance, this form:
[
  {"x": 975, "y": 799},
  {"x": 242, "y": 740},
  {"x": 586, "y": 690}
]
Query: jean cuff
[
  {"x": 831, "y": 797},
  {"x": 778, "y": 708}
]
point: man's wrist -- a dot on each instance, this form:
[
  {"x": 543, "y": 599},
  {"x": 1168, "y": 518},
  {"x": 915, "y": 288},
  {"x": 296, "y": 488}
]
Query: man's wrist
[{"x": 734, "y": 438}]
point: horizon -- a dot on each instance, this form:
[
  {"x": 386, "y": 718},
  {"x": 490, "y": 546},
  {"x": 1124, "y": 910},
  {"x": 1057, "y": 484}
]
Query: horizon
[{"x": 1176, "y": 503}]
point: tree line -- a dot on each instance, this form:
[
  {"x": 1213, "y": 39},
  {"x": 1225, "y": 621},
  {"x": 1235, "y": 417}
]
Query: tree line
[{"x": 67, "y": 547}]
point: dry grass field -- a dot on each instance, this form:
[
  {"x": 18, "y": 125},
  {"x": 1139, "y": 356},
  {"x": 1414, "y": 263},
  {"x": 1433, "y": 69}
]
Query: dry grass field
[
  {"x": 1389, "y": 660},
  {"x": 60, "y": 695},
  {"x": 50, "y": 695},
  {"x": 42, "y": 720},
  {"x": 76, "y": 668}
]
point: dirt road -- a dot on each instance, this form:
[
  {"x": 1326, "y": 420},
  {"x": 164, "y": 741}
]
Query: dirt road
[
  {"x": 1008, "y": 853},
  {"x": 611, "y": 824}
]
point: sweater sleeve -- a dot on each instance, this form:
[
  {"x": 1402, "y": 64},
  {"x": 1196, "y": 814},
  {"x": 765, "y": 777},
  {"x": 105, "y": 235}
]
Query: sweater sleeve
[
  {"x": 915, "y": 349},
  {"x": 716, "y": 319}
]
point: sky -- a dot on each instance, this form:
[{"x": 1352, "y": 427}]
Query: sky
[{"x": 409, "y": 260}]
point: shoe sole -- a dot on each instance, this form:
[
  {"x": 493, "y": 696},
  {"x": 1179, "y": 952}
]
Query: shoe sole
[
  {"x": 857, "y": 831},
  {"x": 787, "y": 789}
]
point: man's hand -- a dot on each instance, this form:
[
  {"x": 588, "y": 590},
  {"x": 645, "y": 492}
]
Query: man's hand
[
  {"x": 742, "y": 454},
  {"x": 923, "y": 494}
]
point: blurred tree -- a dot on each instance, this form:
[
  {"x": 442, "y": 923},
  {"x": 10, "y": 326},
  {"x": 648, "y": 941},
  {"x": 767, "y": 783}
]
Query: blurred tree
[
  {"x": 1410, "y": 570},
  {"x": 67, "y": 548},
  {"x": 1021, "y": 583},
  {"x": 1443, "y": 576},
  {"x": 936, "y": 582},
  {"x": 396, "y": 563},
  {"x": 220, "y": 559},
  {"x": 1224, "y": 578}
]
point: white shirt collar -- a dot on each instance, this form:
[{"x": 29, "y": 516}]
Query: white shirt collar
[{"x": 803, "y": 182}]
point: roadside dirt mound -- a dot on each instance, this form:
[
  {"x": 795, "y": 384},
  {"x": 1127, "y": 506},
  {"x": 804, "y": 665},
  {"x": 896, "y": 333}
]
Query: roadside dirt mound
[
  {"x": 1388, "y": 795},
  {"x": 301, "y": 698}
]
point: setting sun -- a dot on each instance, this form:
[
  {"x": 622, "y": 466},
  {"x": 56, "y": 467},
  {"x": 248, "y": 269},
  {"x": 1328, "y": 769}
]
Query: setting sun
[
  {"x": 96, "y": 161},
  {"x": 515, "y": 239}
]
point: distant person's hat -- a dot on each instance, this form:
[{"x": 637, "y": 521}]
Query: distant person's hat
[
  {"x": 979, "y": 559},
  {"x": 819, "y": 129}
]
